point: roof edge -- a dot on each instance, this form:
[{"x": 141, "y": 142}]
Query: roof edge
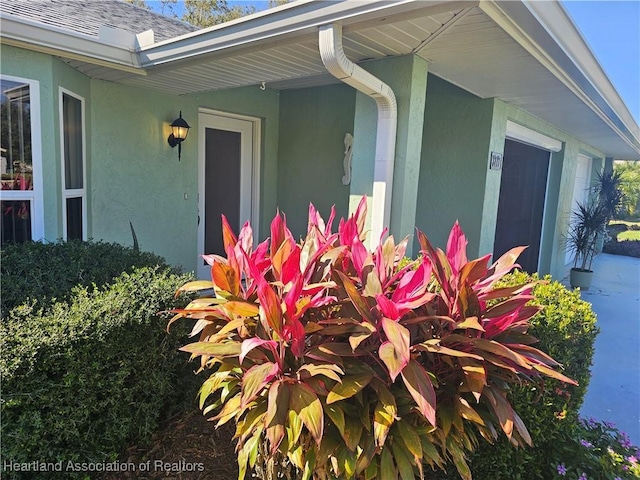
[
  {"x": 24, "y": 33},
  {"x": 292, "y": 19},
  {"x": 540, "y": 39}
]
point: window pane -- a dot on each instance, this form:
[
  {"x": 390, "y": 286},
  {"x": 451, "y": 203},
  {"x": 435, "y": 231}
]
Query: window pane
[
  {"x": 16, "y": 165},
  {"x": 16, "y": 221},
  {"x": 74, "y": 218},
  {"x": 72, "y": 127}
]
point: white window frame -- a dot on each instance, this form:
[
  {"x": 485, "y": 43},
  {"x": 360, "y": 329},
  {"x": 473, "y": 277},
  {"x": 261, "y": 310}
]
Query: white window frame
[
  {"x": 35, "y": 196},
  {"x": 75, "y": 192}
]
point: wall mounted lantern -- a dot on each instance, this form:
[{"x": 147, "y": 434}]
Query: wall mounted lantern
[{"x": 179, "y": 131}]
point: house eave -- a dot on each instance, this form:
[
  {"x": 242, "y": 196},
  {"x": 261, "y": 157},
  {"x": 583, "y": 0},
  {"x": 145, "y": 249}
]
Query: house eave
[
  {"x": 549, "y": 35},
  {"x": 52, "y": 40},
  {"x": 292, "y": 20}
]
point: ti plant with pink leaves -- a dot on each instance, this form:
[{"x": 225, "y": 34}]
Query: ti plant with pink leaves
[{"x": 347, "y": 365}]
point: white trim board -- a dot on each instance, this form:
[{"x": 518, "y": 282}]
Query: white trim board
[{"x": 523, "y": 134}]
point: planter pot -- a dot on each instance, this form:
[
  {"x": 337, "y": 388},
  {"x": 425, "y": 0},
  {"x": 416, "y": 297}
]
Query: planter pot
[{"x": 580, "y": 278}]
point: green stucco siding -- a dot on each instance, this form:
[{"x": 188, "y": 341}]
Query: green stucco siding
[
  {"x": 454, "y": 163},
  {"x": 442, "y": 156},
  {"x": 136, "y": 175},
  {"x": 313, "y": 124}
]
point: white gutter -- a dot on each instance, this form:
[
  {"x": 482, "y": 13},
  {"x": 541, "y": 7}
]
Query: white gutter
[
  {"x": 32, "y": 35},
  {"x": 337, "y": 63}
]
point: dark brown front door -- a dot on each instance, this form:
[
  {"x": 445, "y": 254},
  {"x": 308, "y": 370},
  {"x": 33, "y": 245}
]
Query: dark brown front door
[{"x": 523, "y": 189}]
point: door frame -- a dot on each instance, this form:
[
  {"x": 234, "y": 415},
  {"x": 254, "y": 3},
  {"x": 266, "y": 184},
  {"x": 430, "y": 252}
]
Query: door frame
[
  {"x": 251, "y": 160},
  {"x": 519, "y": 133}
]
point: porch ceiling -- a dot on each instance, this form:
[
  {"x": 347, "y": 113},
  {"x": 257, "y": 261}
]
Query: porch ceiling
[{"x": 491, "y": 49}]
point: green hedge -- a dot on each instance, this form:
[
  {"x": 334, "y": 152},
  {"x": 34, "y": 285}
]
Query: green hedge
[
  {"x": 44, "y": 271},
  {"x": 84, "y": 379},
  {"x": 566, "y": 328}
]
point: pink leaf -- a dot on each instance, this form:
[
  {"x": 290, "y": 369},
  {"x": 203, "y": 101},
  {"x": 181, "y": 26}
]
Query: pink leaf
[
  {"x": 251, "y": 343},
  {"x": 294, "y": 333},
  {"x": 359, "y": 255},
  {"x": 457, "y": 248},
  {"x": 387, "y": 307},
  {"x": 255, "y": 379},
  {"x": 421, "y": 389},
  {"x": 278, "y": 224}
]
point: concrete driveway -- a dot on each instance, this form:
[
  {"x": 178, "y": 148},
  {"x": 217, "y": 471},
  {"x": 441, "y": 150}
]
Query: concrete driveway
[{"x": 614, "y": 392}]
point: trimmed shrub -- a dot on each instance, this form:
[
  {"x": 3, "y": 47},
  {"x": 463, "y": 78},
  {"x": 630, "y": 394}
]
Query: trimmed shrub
[
  {"x": 83, "y": 379},
  {"x": 47, "y": 271},
  {"x": 566, "y": 328}
]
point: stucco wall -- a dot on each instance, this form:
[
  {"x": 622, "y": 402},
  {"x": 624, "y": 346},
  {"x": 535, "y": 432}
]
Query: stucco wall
[
  {"x": 136, "y": 176},
  {"x": 313, "y": 123},
  {"x": 455, "y": 182},
  {"x": 455, "y": 146}
]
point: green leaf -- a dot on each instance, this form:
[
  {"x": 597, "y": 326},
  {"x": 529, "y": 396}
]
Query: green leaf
[
  {"x": 309, "y": 463},
  {"x": 384, "y": 414},
  {"x": 195, "y": 286},
  {"x": 470, "y": 322},
  {"x": 336, "y": 414},
  {"x": 230, "y": 409},
  {"x": 522, "y": 429},
  {"x": 399, "y": 336},
  {"x": 328, "y": 370},
  {"x": 352, "y": 433},
  {"x": 387, "y": 468},
  {"x": 405, "y": 467},
  {"x": 433, "y": 346},
  {"x": 243, "y": 309},
  {"x": 553, "y": 374},
  {"x": 217, "y": 350},
  {"x": 421, "y": 389},
  {"x": 358, "y": 300},
  {"x": 350, "y": 385},
  {"x": 293, "y": 428},
  {"x": 501, "y": 407},
  {"x": 392, "y": 359},
  {"x": 502, "y": 351},
  {"x": 475, "y": 375},
  {"x": 255, "y": 379},
  {"x": 361, "y": 333},
  {"x": 277, "y": 404},
  {"x": 410, "y": 439},
  {"x": 306, "y": 404}
]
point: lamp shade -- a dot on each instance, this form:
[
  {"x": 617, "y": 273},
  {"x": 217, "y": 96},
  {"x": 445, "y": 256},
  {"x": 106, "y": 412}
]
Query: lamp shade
[{"x": 180, "y": 128}]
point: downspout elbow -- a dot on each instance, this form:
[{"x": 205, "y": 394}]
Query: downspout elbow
[{"x": 337, "y": 63}]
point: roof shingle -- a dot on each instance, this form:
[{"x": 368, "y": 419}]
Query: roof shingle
[{"x": 87, "y": 16}]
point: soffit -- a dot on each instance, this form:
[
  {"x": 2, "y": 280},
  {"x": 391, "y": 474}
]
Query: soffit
[{"x": 465, "y": 46}]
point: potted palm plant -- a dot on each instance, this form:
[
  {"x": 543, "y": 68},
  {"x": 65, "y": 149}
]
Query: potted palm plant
[
  {"x": 589, "y": 226},
  {"x": 589, "y": 222}
]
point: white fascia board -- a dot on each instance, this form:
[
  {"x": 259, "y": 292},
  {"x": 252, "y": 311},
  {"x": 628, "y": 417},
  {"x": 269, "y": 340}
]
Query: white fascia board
[
  {"x": 563, "y": 30},
  {"x": 527, "y": 28},
  {"x": 303, "y": 16},
  {"x": 52, "y": 40}
]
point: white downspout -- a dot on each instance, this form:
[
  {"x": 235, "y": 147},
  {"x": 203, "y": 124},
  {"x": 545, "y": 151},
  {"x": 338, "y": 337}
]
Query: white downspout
[{"x": 337, "y": 63}]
